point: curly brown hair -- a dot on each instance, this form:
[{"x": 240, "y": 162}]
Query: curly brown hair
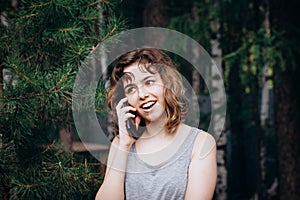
[{"x": 154, "y": 61}]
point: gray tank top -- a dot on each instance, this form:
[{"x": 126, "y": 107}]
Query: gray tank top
[{"x": 167, "y": 180}]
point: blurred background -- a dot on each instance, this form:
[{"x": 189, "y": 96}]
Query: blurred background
[{"x": 44, "y": 42}]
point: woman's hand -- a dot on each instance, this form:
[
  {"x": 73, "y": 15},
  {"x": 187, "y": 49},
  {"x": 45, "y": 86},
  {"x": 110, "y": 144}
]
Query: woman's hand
[{"x": 125, "y": 140}]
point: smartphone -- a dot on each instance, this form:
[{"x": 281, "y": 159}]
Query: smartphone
[{"x": 135, "y": 131}]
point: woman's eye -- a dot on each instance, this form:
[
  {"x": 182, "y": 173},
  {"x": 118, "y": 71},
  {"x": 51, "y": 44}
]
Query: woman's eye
[
  {"x": 149, "y": 82},
  {"x": 129, "y": 90}
]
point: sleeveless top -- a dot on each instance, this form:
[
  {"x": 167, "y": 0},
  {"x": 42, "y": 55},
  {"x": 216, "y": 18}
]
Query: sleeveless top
[{"x": 167, "y": 180}]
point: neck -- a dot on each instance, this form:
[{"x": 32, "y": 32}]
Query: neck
[{"x": 156, "y": 128}]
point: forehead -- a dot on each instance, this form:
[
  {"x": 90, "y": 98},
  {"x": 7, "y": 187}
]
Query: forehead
[
  {"x": 135, "y": 68},
  {"x": 139, "y": 72}
]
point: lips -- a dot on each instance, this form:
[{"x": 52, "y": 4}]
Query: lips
[{"x": 148, "y": 105}]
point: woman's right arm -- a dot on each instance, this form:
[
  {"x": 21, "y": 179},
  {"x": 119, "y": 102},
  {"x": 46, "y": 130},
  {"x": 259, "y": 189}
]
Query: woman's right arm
[
  {"x": 113, "y": 184},
  {"x": 114, "y": 180}
]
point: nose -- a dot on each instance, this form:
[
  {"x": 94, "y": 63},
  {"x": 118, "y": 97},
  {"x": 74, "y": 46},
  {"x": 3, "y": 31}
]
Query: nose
[{"x": 143, "y": 93}]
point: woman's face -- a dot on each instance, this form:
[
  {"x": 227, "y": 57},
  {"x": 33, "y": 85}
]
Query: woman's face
[{"x": 145, "y": 92}]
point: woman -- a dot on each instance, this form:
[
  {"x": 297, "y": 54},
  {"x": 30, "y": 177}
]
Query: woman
[{"x": 155, "y": 155}]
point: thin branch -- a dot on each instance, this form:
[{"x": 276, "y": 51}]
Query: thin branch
[
  {"x": 66, "y": 29},
  {"x": 60, "y": 81},
  {"x": 22, "y": 75},
  {"x": 28, "y": 59},
  {"x": 88, "y": 18},
  {"x": 63, "y": 6},
  {"x": 41, "y": 5},
  {"x": 27, "y": 186},
  {"x": 110, "y": 33},
  {"x": 233, "y": 54},
  {"x": 49, "y": 147},
  {"x": 27, "y": 16},
  {"x": 67, "y": 97},
  {"x": 96, "y": 2},
  {"x": 26, "y": 97}
]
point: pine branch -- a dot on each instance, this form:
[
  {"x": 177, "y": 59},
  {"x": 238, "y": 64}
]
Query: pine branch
[
  {"x": 27, "y": 16},
  {"x": 68, "y": 96},
  {"x": 97, "y": 2},
  {"x": 22, "y": 74},
  {"x": 27, "y": 186},
  {"x": 61, "y": 5},
  {"x": 61, "y": 80},
  {"x": 46, "y": 45},
  {"x": 41, "y": 5},
  {"x": 88, "y": 18},
  {"x": 111, "y": 33},
  {"x": 48, "y": 148}
]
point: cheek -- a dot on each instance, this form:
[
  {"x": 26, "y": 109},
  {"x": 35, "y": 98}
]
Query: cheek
[
  {"x": 132, "y": 100},
  {"x": 159, "y": 90}
]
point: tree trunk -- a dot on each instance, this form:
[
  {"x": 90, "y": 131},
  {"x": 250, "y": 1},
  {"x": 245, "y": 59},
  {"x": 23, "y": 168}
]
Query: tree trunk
[
  {"x": 287, "y": 92},
  {"x": 1, "y": 83},
  {"x": 155, "y": 13},
  {"x": 216, "y": 52},
  {"x": 287, "y": 121},
  {"x": 235, "y": 167},
  {"x": 3, "y": 189}
]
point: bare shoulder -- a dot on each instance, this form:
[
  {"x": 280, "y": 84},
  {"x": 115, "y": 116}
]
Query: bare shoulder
[
  {"x": 203, "y": 168},
  {"x": 204, "y": 146}
]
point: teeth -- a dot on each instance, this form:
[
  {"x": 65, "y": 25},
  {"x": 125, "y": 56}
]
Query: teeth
[{"x": 148, "y": 105}]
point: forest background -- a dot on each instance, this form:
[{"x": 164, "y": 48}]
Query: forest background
[{"x": 43, "y": 44}]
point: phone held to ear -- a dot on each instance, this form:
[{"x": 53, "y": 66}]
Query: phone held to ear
[{"x": 135, "y": 126}]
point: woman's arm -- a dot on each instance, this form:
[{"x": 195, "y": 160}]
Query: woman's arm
[
  {"x": 113, "y": 184},
  {"x": 203, "y": 169}
]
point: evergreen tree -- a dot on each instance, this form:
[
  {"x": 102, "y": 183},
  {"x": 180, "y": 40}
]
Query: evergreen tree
[{"x": 42, "y": 50}]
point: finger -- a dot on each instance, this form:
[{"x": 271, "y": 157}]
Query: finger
[
  {"x": 129, "y": 115},
  {"x": 129, "y": 108},
  {"x": 121, "y": 102}
]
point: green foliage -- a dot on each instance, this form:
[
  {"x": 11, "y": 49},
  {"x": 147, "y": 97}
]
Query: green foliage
[
  {"x": 42, "y": 50},
  {"x": 58, "y": 176},
  {"x": 196, "y": 23},
  {"x": 257, "y": 51}
]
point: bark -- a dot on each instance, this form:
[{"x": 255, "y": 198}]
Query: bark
[
  {"x": 216, "y": 53},
  {"x": 3, "y": 185},
  {"x": 155, "y": 13},
  {"x": 235, "y": 162},
  {"x": 1, "y": 83},
  {"x": 287, "y": 122},
  {"x": 287, "y": 92}
]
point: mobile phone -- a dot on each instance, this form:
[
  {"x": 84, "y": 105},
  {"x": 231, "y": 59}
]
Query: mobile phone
[{"x": 135, "y": 131}]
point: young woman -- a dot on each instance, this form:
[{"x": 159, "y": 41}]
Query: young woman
[{"x": 155, "y": 155}]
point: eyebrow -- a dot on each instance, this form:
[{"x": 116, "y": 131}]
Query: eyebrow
[{"x": 150, "y": 76}]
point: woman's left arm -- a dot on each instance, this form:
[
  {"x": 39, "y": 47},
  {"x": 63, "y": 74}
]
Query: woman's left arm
[{"x": 202, "y": 176}]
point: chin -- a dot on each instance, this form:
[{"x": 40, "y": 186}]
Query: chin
[{"x": 158, "y": 116}]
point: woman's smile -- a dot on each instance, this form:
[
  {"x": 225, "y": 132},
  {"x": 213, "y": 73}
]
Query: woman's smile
[{"x": 148, "y": 105}]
